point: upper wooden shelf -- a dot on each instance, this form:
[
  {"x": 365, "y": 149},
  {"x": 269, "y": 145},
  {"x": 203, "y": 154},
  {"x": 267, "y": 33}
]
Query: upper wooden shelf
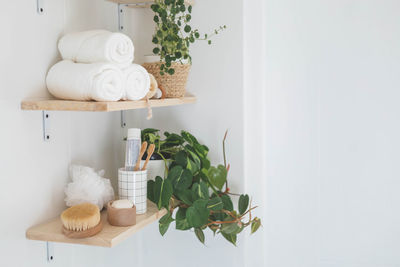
[
  {"x": 143, "y": 3},
  {"x": 110, "y": 236},
  {"x": 68, "y": 105}
]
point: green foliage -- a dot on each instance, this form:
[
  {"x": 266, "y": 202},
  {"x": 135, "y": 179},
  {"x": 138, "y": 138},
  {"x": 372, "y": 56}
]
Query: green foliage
[
  {"x": 200, "y": 235},
  {"x": 243, "y": 203},
  {"x": 255, "y": 225},
  {"x": 173, "y": 33},
  {"x": 217, "y": 176},
  {"x": 196, "y": 189},
  {"x": 162, "y": 192},
  {"x": 197, "y": 215},
  {"x": 164, "y": 223},
  {"x": 230, "y": 238}
]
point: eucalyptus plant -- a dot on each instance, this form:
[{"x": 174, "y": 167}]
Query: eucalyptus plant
[
  {"x": 174, "y": 34},
  {"x": 197, "y": 191}
]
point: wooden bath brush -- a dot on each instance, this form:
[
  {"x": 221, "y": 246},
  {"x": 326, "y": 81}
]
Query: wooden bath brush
[{"x": 81, "y": 221}]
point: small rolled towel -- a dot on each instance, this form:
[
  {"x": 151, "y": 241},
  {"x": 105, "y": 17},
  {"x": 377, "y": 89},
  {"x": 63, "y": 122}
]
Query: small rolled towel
[
  {"x": 97, "y": 46},
  {"x": 76, "y": 81},
  {"x": 137, "y": 82}
]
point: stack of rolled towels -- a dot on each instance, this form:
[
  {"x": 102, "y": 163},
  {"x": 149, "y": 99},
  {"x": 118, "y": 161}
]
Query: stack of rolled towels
[{"x": 97, "y": 65}]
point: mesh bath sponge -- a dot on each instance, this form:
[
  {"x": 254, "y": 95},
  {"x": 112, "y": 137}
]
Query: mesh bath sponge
[{"x": 88, "y": 186}]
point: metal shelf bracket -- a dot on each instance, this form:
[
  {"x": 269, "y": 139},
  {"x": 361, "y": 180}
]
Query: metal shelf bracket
[
  {"x": 123, "y": 119},
  {"x": 50, "y": 251},
  {"x": 46, "y": 125},
  {"x": 40, "y": 7},
  {"x": 120, "y": 17},
  {"x": 121, "y": 12}
]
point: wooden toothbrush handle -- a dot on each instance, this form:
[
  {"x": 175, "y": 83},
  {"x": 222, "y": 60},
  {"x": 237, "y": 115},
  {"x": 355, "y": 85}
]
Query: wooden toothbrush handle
[{"x": 141, "y": 153}]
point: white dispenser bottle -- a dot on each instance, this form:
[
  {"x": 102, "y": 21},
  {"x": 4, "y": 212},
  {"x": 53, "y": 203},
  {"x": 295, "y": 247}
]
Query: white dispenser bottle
[{"x": 133, "y": 144}]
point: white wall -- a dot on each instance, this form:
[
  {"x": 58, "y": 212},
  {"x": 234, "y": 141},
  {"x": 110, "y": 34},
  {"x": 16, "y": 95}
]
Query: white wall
[
  {"x": 35, "y": 172},
  {"x": 332, "y": 133}
]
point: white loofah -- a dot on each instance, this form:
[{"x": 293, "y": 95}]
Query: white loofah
[{"x": 88, "y": 186}]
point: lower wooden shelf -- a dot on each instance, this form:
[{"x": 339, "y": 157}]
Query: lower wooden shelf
[{"x": 110, "y": 236}]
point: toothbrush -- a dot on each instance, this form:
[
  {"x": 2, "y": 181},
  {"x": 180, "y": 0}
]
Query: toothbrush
[
  {"x": 142, "y": 150},
  {"x": 150, "y": 152}
]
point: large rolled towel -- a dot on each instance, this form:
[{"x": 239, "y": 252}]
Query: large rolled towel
[
  {"x": 137, "y": 82},
  {"x": 77, "y": 81},
  {"x": 97, "y": 46}
]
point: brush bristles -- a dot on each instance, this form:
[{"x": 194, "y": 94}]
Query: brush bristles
[{"x": 81, "y": 217}]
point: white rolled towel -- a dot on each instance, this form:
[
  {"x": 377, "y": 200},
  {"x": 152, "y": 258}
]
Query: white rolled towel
[
  {"x": 77, "y": 81},
  {"x": 136, "y": 82},
  {"x": 97, "y": 46}
]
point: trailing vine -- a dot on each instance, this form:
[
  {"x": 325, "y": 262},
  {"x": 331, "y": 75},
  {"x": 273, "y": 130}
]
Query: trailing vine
[{"x": 197, "y": 191}]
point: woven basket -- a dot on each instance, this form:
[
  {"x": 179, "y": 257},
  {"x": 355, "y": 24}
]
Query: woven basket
[{"x": 174, "y": 85}]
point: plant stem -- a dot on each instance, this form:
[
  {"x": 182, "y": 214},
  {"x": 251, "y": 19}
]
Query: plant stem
[{"x": 224, "y": 152}]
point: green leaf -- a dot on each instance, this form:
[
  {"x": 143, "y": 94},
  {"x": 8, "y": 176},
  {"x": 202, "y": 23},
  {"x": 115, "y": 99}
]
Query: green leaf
[
  {"x": 192, "y": 166},
  {"x": 178, "y": 54},
  {"x": 190, "y": 9},
  {"x": 182, "y": 225},
  {"x": 200, "y": 235},
  {"x": 201, "y": 149},
  {"x": 181, "y": 221},
  {"x": 217, "y": 176},
  {"x": 174, "y": 173},
  {"x": 181, "y": 159},
  {"x": 156, "y": 19},
  {"x": 181, "y": 178},
  {"x": 155, "y": 7},
  {"x": 255, "y": 225},
  {"x": 213, "y": 228},
  {"x": 197, "y": 215},
  {"x": 193, "y": 155},
  {"x": 205, "y": 163},
  {"x": 187, "y": 28},
  {"x": 181, "y": 214},
  {"x": 231, "y": 238},
  {"x": 187, "y": 196},
  {"x": 209, "y": 42},
  {"x": 228, "y": 205},
  {"x": 230, "y": 228},
  {"x": 156, "y": 50},
  {"x": 162, "y": 192},
  {"x": 215, "y": 204},
  {"x": 150, "y": 191},
  {"x": 200, "y": 190},
  {"x": 243, "y": 203},
  {"x": 188, "y": 137},
  {"x": 164, "y": 223},
  {"x": 171, "y": 71}
]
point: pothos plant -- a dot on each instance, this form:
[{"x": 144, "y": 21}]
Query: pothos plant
[
  {"x": 173, "y": 34},
  {"x": 197, "y": 191}
]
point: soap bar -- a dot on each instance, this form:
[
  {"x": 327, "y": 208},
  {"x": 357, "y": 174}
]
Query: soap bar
[{"x": 122, "y": 204}]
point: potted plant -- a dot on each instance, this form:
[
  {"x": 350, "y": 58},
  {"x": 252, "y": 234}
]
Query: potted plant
[
  {"x": 172, "y": 38},
  {"x": 163, "y": 152},
  {"x": 199, "y": 193}
]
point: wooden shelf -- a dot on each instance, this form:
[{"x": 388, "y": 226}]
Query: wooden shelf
[
  {"x": 110, "y": 236},
  {"x": 143, "y": 3},
  {"x": 67, "y": 105}
]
